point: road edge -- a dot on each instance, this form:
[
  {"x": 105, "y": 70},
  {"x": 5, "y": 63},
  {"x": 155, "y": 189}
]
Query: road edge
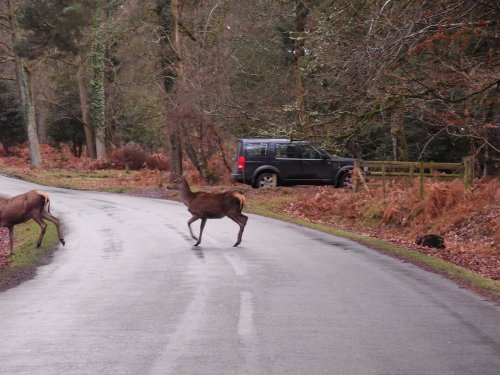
[{"x": 483, "y": 286}]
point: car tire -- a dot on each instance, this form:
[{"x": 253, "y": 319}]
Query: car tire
[
  {"x": 345, "y": 180},
  {"x": 265, "y": 180}
]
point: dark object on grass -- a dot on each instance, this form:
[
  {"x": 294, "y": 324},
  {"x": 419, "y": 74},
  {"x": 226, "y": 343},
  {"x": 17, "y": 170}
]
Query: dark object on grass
[{"x": 431, "y": 240}]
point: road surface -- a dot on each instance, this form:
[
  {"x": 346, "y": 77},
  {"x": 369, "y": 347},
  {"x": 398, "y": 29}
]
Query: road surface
[{"x": 129, "y": 294}]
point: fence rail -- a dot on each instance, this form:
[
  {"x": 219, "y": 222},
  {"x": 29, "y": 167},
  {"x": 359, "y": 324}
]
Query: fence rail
[{"x": 422, "y": 170}]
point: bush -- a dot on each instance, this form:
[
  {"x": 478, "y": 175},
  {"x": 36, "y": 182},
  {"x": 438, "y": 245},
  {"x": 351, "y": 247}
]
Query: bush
[
  {"x": 134, "y": 157},
  {"x": 158, "y": 161},
  {"x": 129, "y": 157}
]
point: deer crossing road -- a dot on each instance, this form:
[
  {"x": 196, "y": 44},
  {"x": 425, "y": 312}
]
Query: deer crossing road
[{"x": 130, "y": 294}]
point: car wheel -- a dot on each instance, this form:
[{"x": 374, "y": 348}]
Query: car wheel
[
  {"x": 265, "y": 180},
  {"x": 345, "y": 181}
]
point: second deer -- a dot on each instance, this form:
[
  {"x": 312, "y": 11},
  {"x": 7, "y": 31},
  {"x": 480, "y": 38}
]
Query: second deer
[
  {"x": 205, "y": 206},
  {"x": 34, "y": 205}
]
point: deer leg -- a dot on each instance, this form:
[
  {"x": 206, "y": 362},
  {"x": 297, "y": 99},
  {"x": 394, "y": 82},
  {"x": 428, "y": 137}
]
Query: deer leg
[
  {"x": 192, "y": 220},
  {"x": 55, "y": 220},
  {"x": 241, "y": 220},
  {"x": 203, "y": 221},
  {"x": 43, "y": 228},
  {"x": 11, "y": 238}
]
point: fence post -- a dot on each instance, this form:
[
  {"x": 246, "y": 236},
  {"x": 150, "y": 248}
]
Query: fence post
[
  {"x": 383, "y": 180},
  {"x": 412, "y": 167},
  {"x": 275, "y": 180},
  {"x": 468, "y": 171},
  {"x": 421, "y": 172},
  {"x": 355, "y": 174}
]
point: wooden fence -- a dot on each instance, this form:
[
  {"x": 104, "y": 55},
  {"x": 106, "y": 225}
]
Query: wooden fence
[{"x": 405, "y": 169}]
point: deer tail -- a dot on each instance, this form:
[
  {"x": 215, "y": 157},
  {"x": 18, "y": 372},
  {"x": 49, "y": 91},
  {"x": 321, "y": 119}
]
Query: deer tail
[
  {"x": 45, "y": 197},
  {"x": 241, "y": 198}
]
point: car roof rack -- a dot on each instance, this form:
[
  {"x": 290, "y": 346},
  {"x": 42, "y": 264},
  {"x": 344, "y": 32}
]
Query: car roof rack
[{"x": 266, "y": 138}]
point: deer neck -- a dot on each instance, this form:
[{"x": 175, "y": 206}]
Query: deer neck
[{"x": 186, "y": 193}]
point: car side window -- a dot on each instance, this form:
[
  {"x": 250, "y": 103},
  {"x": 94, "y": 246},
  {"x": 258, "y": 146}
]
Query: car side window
[
  {"x": 309, "y": 152},
  {"x": 296, "y": 151},
  {"x": 256, "y": 149},
  {"x": 286, "y": 150}
]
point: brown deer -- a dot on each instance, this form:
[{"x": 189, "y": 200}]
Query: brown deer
[
  {"x": 34, "y": 205},
  {"x": 211, "y": 206}
]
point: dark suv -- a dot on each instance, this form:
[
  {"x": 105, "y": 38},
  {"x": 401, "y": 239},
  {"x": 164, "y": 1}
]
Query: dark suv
[{"x": 276, "y": 161}]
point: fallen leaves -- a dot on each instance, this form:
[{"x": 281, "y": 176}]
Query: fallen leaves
[{"x": 469, "y": 222}]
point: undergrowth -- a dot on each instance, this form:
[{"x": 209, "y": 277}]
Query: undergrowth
[{"x": 468, "y": 220}]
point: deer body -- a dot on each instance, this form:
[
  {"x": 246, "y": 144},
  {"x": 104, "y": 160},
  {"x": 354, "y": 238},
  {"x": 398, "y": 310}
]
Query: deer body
[
  {"x": 212, "y": 206},
  {"x": 34, "y": 205}
]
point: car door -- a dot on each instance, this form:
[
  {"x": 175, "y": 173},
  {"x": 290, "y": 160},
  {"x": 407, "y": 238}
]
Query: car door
[
  {"x": 287, "y": 161},
  {"x": 314, "y": 166}
]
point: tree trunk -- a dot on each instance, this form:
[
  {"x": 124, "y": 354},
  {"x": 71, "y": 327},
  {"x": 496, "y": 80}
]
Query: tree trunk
[
  {"x": 42, "y": 113},
  {"x": 84, "y": 104},
  {"x": 200, "y": 161},
  {"x": 398, "y": 137},
  {"x": 301, "y": 13},
  {"x": 175, "y": 150},
  {"x": 168, "y": 14},
  {"x": 25, "y": 93},
  {"x": 97, "y": 94}
]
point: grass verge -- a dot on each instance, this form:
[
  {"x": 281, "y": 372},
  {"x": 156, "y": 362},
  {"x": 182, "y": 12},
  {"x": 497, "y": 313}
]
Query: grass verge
[
  {"x": 27, "y": 257},
  {"x": 112, "y": 181}
]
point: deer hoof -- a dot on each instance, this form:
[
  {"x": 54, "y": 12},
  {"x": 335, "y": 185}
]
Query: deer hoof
[{"x": 62, "y": 241}]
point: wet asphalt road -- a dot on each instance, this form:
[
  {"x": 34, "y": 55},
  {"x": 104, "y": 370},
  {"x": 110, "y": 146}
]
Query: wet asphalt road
[{"x": 128, "y": 294}]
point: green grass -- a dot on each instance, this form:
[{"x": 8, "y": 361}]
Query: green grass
[
  {"x": 75, "y": 179},
  {"x": 25, "y": 250},
  {"x": 26, "y": 255}
]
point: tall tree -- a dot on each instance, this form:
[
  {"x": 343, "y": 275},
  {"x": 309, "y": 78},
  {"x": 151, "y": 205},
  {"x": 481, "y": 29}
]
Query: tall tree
[
  {"x": 102, "y": 25},
  {"x": 301, "y": 12},
  {"x": 24, "y": 82},
  {"x": 85, "y": 109},
  {"x": 58, "y": 27},
  {"x": 411, "y": 65},
  {"x": 168, "y": 12},
  {"x": 97, "y": 93}
]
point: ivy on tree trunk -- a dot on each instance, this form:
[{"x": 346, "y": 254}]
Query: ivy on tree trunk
[{"x": 97, "y": 95}]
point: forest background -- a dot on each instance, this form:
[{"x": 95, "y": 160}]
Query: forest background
[
  {"x": 171, "y": 84},
  {"x": 372, "y": 79}
]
